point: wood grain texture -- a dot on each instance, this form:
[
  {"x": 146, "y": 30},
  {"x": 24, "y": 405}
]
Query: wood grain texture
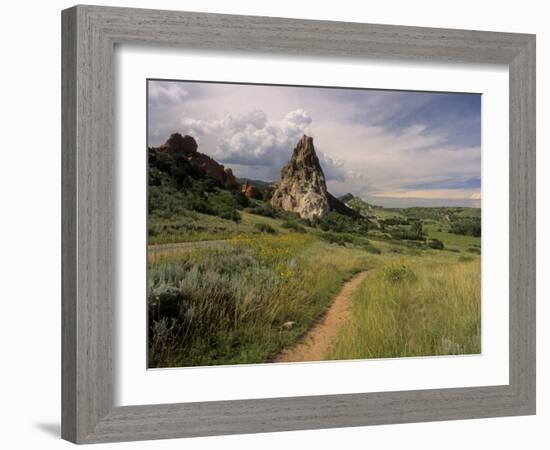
[
  {"x": 89, "y": 36},
  {"x": 68, "y": 226}
]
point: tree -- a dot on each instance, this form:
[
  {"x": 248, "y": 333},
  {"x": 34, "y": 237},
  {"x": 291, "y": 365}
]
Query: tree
[{"x": 416, "y": 228}]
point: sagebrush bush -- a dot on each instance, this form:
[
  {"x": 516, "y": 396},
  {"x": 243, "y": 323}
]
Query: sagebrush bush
[{"x": 227, "y": 304}]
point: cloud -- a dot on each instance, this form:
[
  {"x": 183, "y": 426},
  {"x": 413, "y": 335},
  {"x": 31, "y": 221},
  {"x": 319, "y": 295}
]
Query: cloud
[
  {"x": 333, "y": 169},
  {"x": 251, "y": 139},
  {"x": 369, "y": 143},
  {"x": 165, "y": 92},
  {"x": 228, "y": 125}
]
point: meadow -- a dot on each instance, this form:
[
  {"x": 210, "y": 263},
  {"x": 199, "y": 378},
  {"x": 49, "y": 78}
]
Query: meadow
[
  {"x": 245, "y": 298},
  {"x": 232, "y": 304},
  {"x": 415, "y": 306}
]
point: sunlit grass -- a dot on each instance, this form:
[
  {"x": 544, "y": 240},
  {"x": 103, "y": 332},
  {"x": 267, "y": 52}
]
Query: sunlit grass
[
  {"x": 415, "y": 306},
  {"x": 196, "y": 227},
  {"x": 228, "y": 304},
  {"x": 219, "y": 292}
]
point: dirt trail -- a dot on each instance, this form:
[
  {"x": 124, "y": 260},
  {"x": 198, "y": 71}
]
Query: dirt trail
[
  {"x": 155, "y": 251},
  {"x": 319, "y": 340}
]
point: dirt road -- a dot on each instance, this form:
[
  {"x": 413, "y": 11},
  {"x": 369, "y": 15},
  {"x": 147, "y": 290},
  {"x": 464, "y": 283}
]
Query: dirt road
[
  {"x": 320, "y": 339},
  {"x": 159, "y": 250}
]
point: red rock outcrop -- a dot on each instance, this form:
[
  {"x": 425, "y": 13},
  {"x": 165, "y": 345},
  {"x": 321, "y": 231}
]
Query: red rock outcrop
[
  {"x": 187, "y": 146},
  {"x": 249, "y": 190}
]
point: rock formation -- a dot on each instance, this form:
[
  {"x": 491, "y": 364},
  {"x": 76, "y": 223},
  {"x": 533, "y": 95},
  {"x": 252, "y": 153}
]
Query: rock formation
[
  {"x": 187, "y": 146},
  {"x": 357, "y": 204},
  {"x": 249, "y": 190},
  {"x": 176, "y": 143},
  {"x": 302, "y": 188}
]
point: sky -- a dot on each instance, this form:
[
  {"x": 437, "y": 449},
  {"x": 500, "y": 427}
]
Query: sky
[{"x": 391, "y": 148}]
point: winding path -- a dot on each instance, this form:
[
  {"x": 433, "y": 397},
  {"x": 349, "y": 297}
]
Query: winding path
[{"x": 319, "y": 340}]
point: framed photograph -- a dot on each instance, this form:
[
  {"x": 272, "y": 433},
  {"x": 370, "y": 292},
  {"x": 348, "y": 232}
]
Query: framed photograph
[{"x": 279, "y": 224}]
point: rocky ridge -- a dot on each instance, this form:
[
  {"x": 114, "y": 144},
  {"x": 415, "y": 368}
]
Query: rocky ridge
[{"x": 186, "y": 146}]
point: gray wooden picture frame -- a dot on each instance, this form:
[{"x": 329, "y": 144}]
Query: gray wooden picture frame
[{"x": 90, "y": 34}]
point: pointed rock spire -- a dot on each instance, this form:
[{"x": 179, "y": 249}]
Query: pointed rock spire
[{"x": 302, "y": 188}]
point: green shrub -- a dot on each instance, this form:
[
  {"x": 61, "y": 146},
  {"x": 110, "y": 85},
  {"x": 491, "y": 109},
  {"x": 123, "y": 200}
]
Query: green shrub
[
  {"x": 372, "y": 249},
  {"x": 293, "y": 225},
  {"x": 263, "y": 209},
  {"x": 241, "y": 200},
  {"x": 229, "y": 214},
  {"x": 416, "y": 228},
  {"x": 414, "y": 233},
  {"x": 469, "y": 226},
  {"x": 436, "y": 244},
  {"x": 337, "y": 238},
  {"x": 407, "y": 235},
  {"x": 394, "y": 221},
  {"x": 334, "y": 221},
  {"x": 264, "y": 228}
]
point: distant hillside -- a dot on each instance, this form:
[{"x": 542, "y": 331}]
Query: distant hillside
[
  {"x": 357, "y": 204},
  {"x": 441, "y": 213},
  {"x": 255, "y": 183}
]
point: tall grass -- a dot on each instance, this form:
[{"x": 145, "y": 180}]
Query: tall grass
[
  {"x": 228, "y": 304},
  {"x": 415, "y": 306}
]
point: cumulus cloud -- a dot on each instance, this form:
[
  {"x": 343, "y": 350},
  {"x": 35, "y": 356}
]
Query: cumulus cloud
[
  {"x": 377, "y": 144},
  {"x": 251, "y": 139},
  {"x": 162, "y": 93},
  {"x": 334, "y": 169}
]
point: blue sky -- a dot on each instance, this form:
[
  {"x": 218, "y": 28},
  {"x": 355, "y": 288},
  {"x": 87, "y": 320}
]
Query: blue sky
[{"x": 393, "y": 148}]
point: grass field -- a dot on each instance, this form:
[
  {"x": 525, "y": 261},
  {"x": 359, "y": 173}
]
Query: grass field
[
  {"x": 196, "y": 226},
  {"x": 231, "y": 302},
  {"x": 415, "y": 306}
]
